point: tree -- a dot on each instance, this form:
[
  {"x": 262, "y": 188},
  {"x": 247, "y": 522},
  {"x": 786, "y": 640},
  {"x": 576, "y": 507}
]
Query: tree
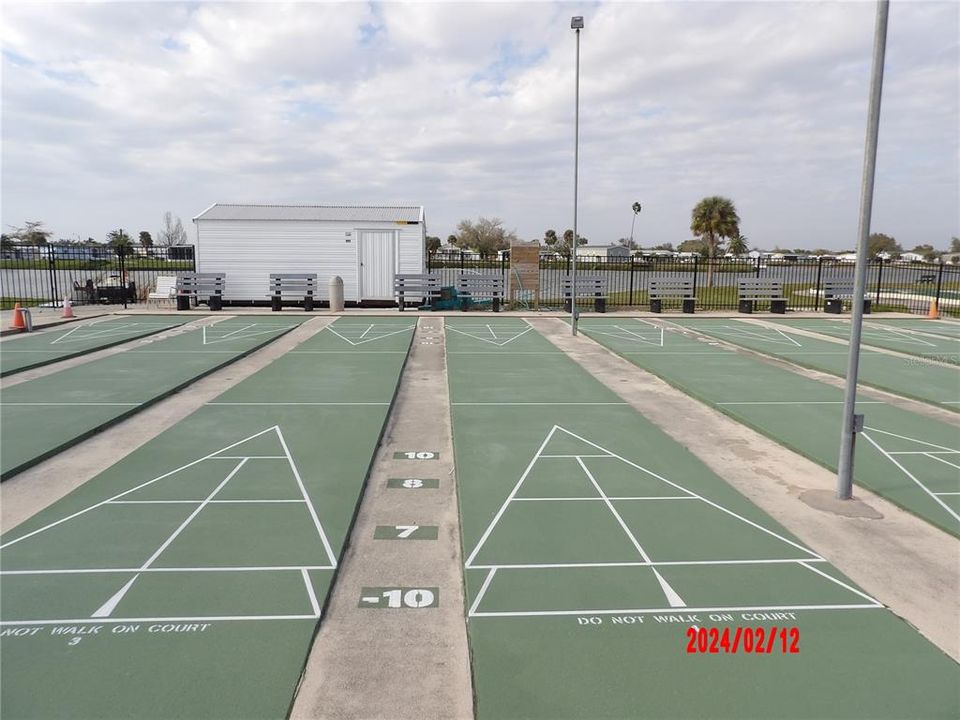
[
  {"x": 955, "y": 245},
  {"x": 664, "y": 246},
  {"x": 694, "y": 246},
  {"x": 565, "y": 244},
  {"x": 6, "y": 241},
  {"x": 628, "y": 243},
  {"x": 738, "y": 245},
  {"x": 451, "y": 239},
  {"x": 146, "y": 239},
  {"x": 879, "y": 243},
  {"x": 172, "y": 232},
  {"x": 927, "y": 251},
  {"x": 32, "y": 233},
  {"x": 433, "y": 244},
  {"x": 485, "y": 236},
  {"x": 550, "y": 239},
  {"x": 713, "y": 219},
  {"x": 118, "y": 238}
]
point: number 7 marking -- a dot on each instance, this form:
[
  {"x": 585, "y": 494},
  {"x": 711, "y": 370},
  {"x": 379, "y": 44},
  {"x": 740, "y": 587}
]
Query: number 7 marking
[{"x": 405, "y": 531}]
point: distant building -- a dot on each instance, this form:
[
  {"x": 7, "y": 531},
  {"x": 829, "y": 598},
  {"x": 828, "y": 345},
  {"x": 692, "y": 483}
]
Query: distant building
[
  {"x": 604, "y": 251},
  {"x": 912, "y": 257}
]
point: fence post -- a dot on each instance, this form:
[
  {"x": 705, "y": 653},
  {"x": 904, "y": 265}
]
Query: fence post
[
  {"x": 461, "y": 262},
  {"x": 758, "y": 266},
  {"x": 879, "y": 277},
  {"x": 630, "y": 295},
  {"x": 816, "y": 297},
  {"x": 696, "y": 263},
  {"x": 121, "y": 266},
  {"x": 939, "y": 283},
  {"x": 52, "y": 266}
]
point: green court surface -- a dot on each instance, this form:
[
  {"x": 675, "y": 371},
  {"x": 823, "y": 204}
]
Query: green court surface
[
  {"x": 947, "y": 328},
  {"x": 593, "y": 543},
  {"x": 910, "y": 459},
  {"x": 43, "y": 416},
  {"x": 929, "y": 345},
  {"x": 936, "y": 384},
  {"x": 188, "y": 580},
  {"x": 22, "y": 352}
]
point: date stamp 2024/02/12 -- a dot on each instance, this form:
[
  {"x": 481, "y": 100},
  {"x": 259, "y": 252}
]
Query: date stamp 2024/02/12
[{"x": 752, "y": 640}]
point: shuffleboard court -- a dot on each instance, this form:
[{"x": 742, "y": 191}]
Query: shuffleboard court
[
  {"x": 188, "y": 579},
  {"x": 947, "y": 328},
  {"x": 910, "y": 459},
  {"x": 594, "y": 543},
  {"x": 43, "y": 416},
  {"x": 933, "y": 383},
  {"x": 23, "y": 352},
  {"x": 938, "y": 348}
]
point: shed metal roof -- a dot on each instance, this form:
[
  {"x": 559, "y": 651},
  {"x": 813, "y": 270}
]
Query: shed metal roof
[{"x": 342, "y": 213}]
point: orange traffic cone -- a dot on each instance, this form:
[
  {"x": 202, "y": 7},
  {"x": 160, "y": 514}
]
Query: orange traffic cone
[
  {"x": 934, "y": 310},
  {"x": 18, "y": 323},
  {"x": 67, "y": 308}
]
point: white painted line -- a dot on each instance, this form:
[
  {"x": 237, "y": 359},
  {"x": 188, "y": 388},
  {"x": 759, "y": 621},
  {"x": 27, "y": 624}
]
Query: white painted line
[
  {"x": 925, "y": 452},
  {"x": 249, "y": 457},
  {"x": 539, "y": 403},
  {"x": 613, "y": 510},
  {"x": 580, "y": 456},
  {"x": 594, "y": 499},
  {"x": 787, "y": 337},
  {"x": 183, "y": 619},
  {"x": 919, "y": 442},
  {"x": 483, "y": 590},
  {"x": 911, "y": 476},
  {"x": 346, "y": 352},
  {"x": 68, "y": 404},
  {"x": 672, "y": 597},
  {"x": 492, "y": 333},
  {"x": 656, "y": 563},
  {"x": 131, "y": 490},
  {"x": 503, "y": 507},
  {"x": 686, "y": 490},
  {"x": 800, "y": 402},
  {"x": 106, "y": 610},
  {"x": 271, "y": 404},
  {"x": 940, "y": 459},
  {"x": 370, "y": 339},
  {"x": 303, "y": 490},
  {"x": 98, "y": 571},
  {"x": 947, "y": 493},
  {"x": 645, "y": 611},
  {"x": 497, "y": 343},
  {"x": 842, "y": 584},
  {"x": 310, "y": 593}
]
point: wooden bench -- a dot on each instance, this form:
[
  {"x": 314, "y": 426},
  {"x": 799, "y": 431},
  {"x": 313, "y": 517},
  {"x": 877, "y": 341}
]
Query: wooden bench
[
  {"x": 300, "y": 285},
  {"x": 424, "y": 287},
  {"x": 835, "y": 292},
  {"x": 471, "y": 287},
  {"x": 671, "y": 288},
  {"x": 589, "y": 286},
  {"x": 200, "y": 286},
  {"x": 751, "y": 290}
]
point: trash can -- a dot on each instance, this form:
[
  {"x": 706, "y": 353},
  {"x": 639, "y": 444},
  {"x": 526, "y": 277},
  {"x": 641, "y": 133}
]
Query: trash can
[
  {"x": 275, "y": 303},
  {"x": 215, "y": 302},
  {"x": 308, "y": 303},
  {"x": 336, "y": 294},
  {"x": 183, "y": 301}
]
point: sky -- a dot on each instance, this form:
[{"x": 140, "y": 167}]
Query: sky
[{"x": 114, "y": 113}]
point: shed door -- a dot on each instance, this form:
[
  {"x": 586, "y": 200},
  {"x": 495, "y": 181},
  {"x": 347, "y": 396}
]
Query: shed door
[{"x": 377, "y": 264}]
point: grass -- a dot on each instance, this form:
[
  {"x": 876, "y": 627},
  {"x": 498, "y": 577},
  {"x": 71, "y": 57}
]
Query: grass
[{"x": 7, "y": 303}]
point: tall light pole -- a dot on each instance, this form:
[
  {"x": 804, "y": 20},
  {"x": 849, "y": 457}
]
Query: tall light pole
[
  {"x": 636, "y": 211},
  {"x": 576, "y": 23},
  {"x": 851, "y": 422}
]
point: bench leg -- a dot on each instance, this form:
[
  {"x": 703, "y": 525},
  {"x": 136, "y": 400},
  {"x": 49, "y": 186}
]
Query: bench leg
[
  {"x": 400, "y": 301},
  {"x": 183, "y": 302},
  {"x": 778, "y": 306},
  {"x": 275, "y": 303},
  {"x": 465, "y": 304},
  {"x": 215, "y": 302},
  {"x": 688, "y": 305},
  {"x": 496, "y": 304},
  {"x": 746, "y": 306},
  {"x": 656, "y": 306},
  {"x": 867, "y": 306},
  {"x": 834, "y": 306},
  {"x": 600, "y": 305},
  {"x": 567, "y": 307},
  {"x": 308, "y": 303}
]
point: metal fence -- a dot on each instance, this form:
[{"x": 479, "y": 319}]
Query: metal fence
[
  {"x": 46, "y": 274},
  {"x": 892, "y": 285}
]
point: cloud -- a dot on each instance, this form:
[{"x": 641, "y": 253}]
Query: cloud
[{"x": 114, "y": 113}]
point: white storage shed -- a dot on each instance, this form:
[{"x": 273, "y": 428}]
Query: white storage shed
[{"x": 363, "y": 244}]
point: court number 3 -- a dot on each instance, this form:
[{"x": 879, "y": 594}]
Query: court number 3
[
  {"x": 416, "y": 598},
  {"x": 411, "y": 455}
]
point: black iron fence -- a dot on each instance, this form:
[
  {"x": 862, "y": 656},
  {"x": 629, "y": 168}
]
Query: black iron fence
[
  {"x": 46, "y": 274},
  {"x": 891, "y": 285}
]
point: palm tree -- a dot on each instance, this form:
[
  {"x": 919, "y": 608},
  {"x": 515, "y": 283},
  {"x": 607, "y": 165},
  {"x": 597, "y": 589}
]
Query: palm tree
[
  {"x": 713, "y": 219},
  {"x": 636, "y": 211},
  {"x": 738, "y": 245}
]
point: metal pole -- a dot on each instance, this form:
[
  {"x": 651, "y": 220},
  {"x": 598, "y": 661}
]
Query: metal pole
[
  {"x": 576, "y": 167},
  {"x": 847, "y": 435}
]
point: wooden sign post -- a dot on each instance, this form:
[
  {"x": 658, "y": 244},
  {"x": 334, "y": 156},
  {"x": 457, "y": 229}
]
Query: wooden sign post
[{"x": 524, "y": 281}]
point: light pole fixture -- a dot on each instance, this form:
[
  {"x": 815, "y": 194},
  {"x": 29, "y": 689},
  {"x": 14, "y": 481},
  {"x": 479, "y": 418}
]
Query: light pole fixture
[{"x": 576, "y": 23}]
